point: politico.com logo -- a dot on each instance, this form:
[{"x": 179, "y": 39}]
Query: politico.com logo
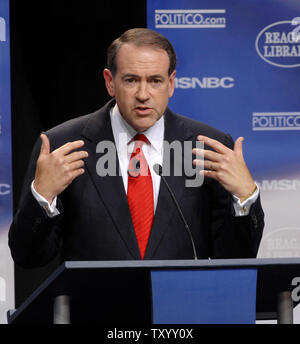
[
  {"x": 266, "y": 121},
  {"x": 194, "y": 18}
]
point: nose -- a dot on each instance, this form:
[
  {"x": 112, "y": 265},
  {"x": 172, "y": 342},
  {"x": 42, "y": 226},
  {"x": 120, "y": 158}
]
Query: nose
[{"x": 142, "y": 93}]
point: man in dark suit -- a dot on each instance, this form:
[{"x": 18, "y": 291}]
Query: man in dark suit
[{"x": 68, "y": 205}]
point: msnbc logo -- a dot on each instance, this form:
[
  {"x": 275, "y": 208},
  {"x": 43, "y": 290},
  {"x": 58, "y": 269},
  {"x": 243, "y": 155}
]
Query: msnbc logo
[{"x": 204, "y": 82}]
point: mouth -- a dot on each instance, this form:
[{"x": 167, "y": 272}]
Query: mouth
[{"x": 143, "y": 110}]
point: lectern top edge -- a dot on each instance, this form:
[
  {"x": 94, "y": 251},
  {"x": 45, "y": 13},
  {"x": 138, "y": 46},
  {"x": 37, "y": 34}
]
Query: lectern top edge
[{"x": 201, "y": 263}]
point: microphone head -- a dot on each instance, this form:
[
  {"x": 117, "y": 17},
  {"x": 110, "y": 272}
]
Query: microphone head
[{"x": 157, "y": 169}]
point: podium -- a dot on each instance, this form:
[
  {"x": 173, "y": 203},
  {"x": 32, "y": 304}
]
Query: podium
[{"x": 164, "y": 292}]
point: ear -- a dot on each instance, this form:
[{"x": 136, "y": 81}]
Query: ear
[
  {"x": 109, "y": 82},
  {"x": 172, "y": 83}
]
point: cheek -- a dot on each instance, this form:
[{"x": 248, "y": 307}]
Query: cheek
[
  {"x": 121, "y": 96},
  {"x": 125, "y": 95},
  {"x": 163, "y": 100}
]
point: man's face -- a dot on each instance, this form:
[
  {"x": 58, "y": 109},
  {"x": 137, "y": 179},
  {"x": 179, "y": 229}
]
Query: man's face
[{"x": 141, "y": 86}]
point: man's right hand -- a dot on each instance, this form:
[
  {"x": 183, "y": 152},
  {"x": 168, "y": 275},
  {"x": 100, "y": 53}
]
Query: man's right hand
[{"x": 56, "y": 170}]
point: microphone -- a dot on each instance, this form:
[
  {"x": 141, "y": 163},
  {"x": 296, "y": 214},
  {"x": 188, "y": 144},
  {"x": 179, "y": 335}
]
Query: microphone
[{"x": 158, "y": 170}]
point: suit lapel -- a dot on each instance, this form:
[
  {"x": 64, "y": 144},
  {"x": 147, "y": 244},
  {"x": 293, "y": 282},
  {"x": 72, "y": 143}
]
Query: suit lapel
[
  {"x": 175, "y": 129},
  {"x": 109, "y": 188}
]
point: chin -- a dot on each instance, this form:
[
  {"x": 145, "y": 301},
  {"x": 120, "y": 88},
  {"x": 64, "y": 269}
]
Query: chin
[
  {"x": 141, "y": 129},
  {"x": 143, "y": 125}
]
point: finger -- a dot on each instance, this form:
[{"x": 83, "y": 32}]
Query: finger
[
  {"x": 77, "y": 173},
  {"x": 238, "y": 145},
  {"x": 199, "y": 163},
  {"x": 198, "y": 152},
  {"x": 207, "y": 154},
  {"x": 71, "y": 176},
  {"x": 211, "y": 166},
  {"x": 45, "y": 147},
  {"x": 216, "y": 145},
  {"x": 76, "y": 165},
  {"x": 75, "y": 156},
  {"x": 207, "y": 165},
  {"x": 209, "y": 174},
  {"x": 69, "y": 146}
]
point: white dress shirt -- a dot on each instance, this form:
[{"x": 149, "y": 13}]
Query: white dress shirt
[
  {"x": 153, "y": 152},
  {"x": 123, "y": 134}
]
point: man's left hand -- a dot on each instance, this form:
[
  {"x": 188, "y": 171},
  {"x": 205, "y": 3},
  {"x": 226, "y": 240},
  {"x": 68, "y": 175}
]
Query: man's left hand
[{"x": 227, "y": 166}]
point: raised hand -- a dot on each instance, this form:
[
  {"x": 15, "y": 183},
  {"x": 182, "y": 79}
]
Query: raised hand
[
  {"x": 227, "y": 166},
  {"x": 56, "y": 170}
]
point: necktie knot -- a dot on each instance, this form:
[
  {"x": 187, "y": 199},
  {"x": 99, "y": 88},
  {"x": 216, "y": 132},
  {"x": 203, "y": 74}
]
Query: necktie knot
[
  {"x": 141, "y": 137},
  {"x": 139, "y": 140}
]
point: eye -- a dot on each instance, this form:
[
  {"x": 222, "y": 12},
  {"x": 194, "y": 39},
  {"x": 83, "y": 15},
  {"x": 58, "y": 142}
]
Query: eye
[
  {"x": 156, "y": 82},
  {"x": 129, "y": 80}
]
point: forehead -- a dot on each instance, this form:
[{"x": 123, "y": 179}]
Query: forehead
[{"x": 138, "y": 59}]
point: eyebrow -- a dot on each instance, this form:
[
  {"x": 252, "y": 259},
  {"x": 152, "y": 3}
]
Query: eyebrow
[
  {"x": 159, "y": 76},
  {"x": 131, "y": 75}
]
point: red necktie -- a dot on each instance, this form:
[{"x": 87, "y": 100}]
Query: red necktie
[{"x": 140, "y": 193}]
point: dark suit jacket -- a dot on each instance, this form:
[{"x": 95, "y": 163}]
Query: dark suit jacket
[{"x": 95, "y": 222}]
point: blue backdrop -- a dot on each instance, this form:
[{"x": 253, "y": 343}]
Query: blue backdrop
[{"x": 239, "y": 71}]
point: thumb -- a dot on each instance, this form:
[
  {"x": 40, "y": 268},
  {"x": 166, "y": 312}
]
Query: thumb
[
  {"x": 45, "y": 147},
  {"x": 238, "y": 145}
]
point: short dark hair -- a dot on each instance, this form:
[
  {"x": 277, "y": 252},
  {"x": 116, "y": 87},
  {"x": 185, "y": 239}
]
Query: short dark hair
[{"x": 141, "y": 37}]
